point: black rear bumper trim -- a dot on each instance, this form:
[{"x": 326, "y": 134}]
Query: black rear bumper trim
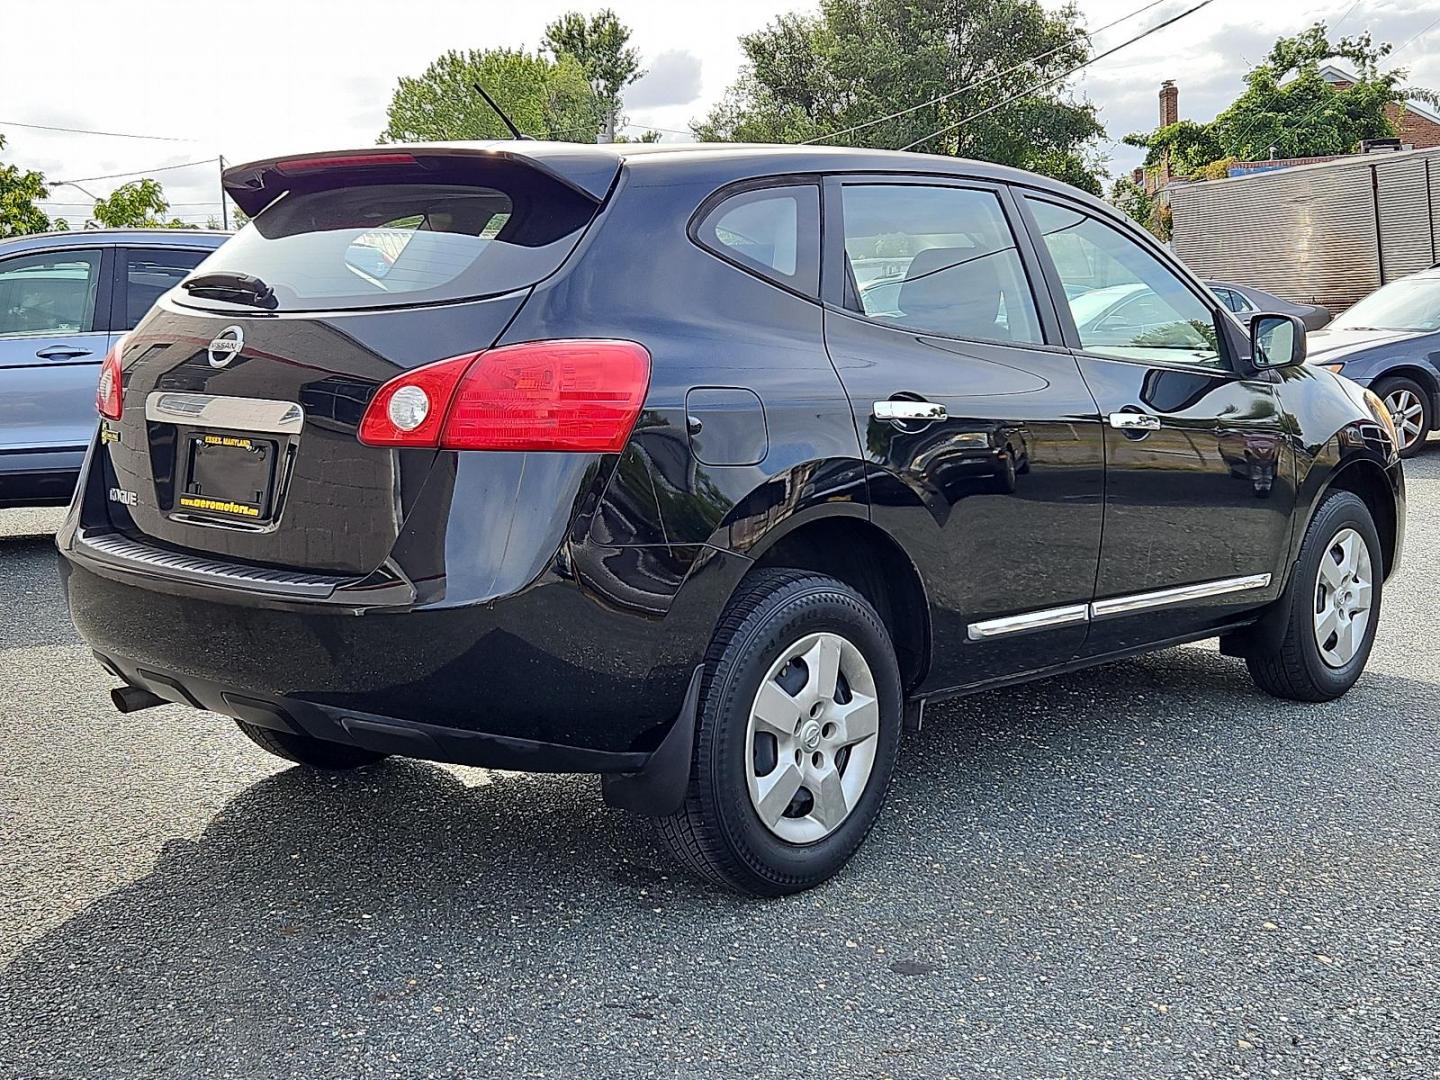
[
  {"x": 382, "y": 734},
  {"x": 125, "y": 553}
]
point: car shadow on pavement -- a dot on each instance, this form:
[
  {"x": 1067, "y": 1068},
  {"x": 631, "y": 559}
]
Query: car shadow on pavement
[{"x": 314, "y": 906}]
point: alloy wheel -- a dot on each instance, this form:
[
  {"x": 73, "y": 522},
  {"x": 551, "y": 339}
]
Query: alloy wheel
[
  {"x": 1408, "y": 413},
  {"x": 811, "y": 740},
  {"x": 1342, "y": 598}
]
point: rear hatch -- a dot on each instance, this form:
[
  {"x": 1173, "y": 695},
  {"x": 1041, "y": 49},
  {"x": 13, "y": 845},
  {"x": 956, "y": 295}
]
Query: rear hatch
[{"x": 244, "y": 389}]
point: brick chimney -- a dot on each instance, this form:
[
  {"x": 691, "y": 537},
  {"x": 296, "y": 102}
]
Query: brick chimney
[{"x": 1169, "y": 103}]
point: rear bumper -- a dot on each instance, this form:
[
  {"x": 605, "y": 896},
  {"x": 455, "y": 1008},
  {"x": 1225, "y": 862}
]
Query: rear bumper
[
  {"x": 551, "y": 678},
  {"x": 383, "y": 734}
]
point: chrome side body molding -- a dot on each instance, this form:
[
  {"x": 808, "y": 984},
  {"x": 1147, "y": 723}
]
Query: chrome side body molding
[
  {"x": 1046, "y": 619},
  {"x": 1070, "y": 614},
  {"x": 1126, "y": 605},
  {"x": 231, "y": 413}
]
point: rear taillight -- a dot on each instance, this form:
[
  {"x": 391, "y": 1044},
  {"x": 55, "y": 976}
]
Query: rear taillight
[
  {"x": 108, "y": 399},
  {"x": 574, "y": 395}
]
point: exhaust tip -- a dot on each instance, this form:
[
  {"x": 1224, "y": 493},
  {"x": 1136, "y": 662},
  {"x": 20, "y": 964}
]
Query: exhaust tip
[{"x": 130, "y": 699}]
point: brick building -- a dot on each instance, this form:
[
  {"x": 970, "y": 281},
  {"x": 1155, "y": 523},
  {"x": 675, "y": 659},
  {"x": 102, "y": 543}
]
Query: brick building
[{"x": 1418, "y": 126}]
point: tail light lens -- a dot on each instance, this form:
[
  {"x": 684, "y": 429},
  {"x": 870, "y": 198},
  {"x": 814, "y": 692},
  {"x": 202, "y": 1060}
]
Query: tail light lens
[
  {"x": 108, "y": 399},
  {"x": 576, "y": 395}
]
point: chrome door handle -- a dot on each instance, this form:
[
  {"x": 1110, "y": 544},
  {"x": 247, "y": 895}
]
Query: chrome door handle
[
  {"x": 902, "y": 409},
  {"x": 1134, "y": 421}
]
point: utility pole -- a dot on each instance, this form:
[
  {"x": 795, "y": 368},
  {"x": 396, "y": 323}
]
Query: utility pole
[{"x": 224, "y": 210}]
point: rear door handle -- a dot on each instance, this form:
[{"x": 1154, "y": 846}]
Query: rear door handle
[
  {"x": 1134, "y": 421},
  {"x": 906, "y": 410},
  {"x": 61, "y": 352}
]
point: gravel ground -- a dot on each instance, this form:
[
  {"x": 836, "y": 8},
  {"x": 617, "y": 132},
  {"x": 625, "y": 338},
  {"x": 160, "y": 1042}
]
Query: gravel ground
[{"x": 1147, "y": 870}]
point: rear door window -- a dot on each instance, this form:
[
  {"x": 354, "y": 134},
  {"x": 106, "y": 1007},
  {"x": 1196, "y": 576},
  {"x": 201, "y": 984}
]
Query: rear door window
[
  {"x": 937, "y": 259},
  {"x": 465, "y": 232},
  {"x": 773, "y": 231},
  {"x": 149, "y": 274},
  {"x": 50, "y": 293}
]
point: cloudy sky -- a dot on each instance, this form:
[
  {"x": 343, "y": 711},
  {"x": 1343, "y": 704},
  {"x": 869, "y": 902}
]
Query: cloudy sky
[{"x": 316, "y": 74}]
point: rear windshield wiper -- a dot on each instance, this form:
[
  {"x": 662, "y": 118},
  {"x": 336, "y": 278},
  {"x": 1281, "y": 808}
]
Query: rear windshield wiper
[{"x": 236, "y": 288}]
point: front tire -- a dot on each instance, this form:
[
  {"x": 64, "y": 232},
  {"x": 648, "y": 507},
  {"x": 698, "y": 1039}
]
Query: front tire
[
  {"x": 304, "y": 750},
  {"x": 1331, "y": 607},
  {"x": 1409, "y": 405},
  {"x": 796, "y": 738}
]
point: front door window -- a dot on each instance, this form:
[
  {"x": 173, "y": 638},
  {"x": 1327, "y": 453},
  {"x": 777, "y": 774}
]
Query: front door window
[{"x": 1125, "y": 302}]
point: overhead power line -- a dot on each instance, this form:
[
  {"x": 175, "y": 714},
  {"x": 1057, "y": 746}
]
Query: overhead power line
[
  {"x": 1061, "y": 77},
  {"x": 140, "y": 172},
  {"x": 653, "y": 127},
  {"x": 91, "y": 131},
  {"x": 981, "y": 82},
  {"x": 1416, "y": 37}
]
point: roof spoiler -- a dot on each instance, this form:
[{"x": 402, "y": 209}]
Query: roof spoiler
[{"x": 256, "y": 184}]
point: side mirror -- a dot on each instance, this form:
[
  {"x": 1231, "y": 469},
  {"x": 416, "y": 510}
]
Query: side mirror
[{"x": 1276, "y": 341}]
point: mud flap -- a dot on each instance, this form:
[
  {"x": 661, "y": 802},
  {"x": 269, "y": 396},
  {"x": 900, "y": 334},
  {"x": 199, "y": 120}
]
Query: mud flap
[{"x": 659, "y": 788}]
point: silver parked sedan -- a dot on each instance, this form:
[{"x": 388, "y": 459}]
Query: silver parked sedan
[
  {"x": 1246, "y": 301},
  {"x": 65, "y": 298}
]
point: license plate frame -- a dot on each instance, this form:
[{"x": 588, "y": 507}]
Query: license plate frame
[{"x": 229, "y": 477}]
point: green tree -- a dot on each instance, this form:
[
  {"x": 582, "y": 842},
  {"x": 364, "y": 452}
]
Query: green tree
[
  {"x": 811, "y": 76},
  {"x": 19, "y": 192},
  {"x": 601, "y": 46},
  {"x": 547, "y": 99},
  {"x": 1288, "y": 108},
  {"x": 140, "y": 204}
]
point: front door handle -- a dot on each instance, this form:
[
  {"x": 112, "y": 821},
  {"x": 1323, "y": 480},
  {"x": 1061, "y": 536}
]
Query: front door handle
[
  {"x": 61, "y": 352},
  {"x": 1134, "y": 421},
  {"x": 904, "y": 409}
]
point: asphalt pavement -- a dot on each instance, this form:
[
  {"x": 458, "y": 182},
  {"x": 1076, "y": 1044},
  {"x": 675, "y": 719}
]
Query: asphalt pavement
[{"x": 1145, "y": 870}]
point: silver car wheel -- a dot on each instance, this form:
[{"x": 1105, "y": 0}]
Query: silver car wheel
[
  {"x": 810, "y": 743},
  {"x": 1342, "y": 598},
  {"x": 1408, "y": 413}
]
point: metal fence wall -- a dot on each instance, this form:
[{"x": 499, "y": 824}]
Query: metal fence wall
[{"x": 1316, "y": 233}]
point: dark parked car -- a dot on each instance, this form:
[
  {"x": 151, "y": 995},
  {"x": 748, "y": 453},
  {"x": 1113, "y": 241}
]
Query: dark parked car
[
  {"x": 1390, "y": 342},
  {"x": 1247, "y": 302},
  {"x": 64, "y": 299},
  {"x": 602, "y": 459}
]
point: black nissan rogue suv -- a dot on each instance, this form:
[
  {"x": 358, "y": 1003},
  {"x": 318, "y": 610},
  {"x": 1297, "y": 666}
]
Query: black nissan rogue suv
[{"x": 703, "y": 469}]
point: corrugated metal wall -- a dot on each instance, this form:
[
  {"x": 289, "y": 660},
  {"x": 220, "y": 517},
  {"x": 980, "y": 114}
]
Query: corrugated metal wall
[
  {"x": 1404, "y": 209},
  {"x": 1310, "y": 233}
]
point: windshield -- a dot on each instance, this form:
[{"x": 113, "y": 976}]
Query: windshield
[
  {"x": 1407, "y": 304},
  {"x": 486, "y": 231}
]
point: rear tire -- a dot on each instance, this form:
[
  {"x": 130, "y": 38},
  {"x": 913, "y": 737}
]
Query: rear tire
[
  {"x": 1410, "y": 406},
  {"x": 304, "y": 750},
  {"x": 1325, "y": 643},
  {"x": 796, "y": 738}
]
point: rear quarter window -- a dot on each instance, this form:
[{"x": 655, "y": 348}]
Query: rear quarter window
[
  {"x": 460, "y": 233},
  {"x": 771, "y": 231}
]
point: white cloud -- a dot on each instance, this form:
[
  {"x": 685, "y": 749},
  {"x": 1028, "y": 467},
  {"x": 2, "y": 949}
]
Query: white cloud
[{"x": 672, "y": 78}]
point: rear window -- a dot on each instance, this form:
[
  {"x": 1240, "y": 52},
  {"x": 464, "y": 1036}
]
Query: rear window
[
  {"x": 394, "y": 244},
  {"x": 773, "y": 231}
]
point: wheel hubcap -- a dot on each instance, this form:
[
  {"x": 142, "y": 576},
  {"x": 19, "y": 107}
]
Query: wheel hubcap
[
  {"x": 1408, "y": 413},
  {"x": 810, "y": 743},
  {"x": 1342, "y": 598}
]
